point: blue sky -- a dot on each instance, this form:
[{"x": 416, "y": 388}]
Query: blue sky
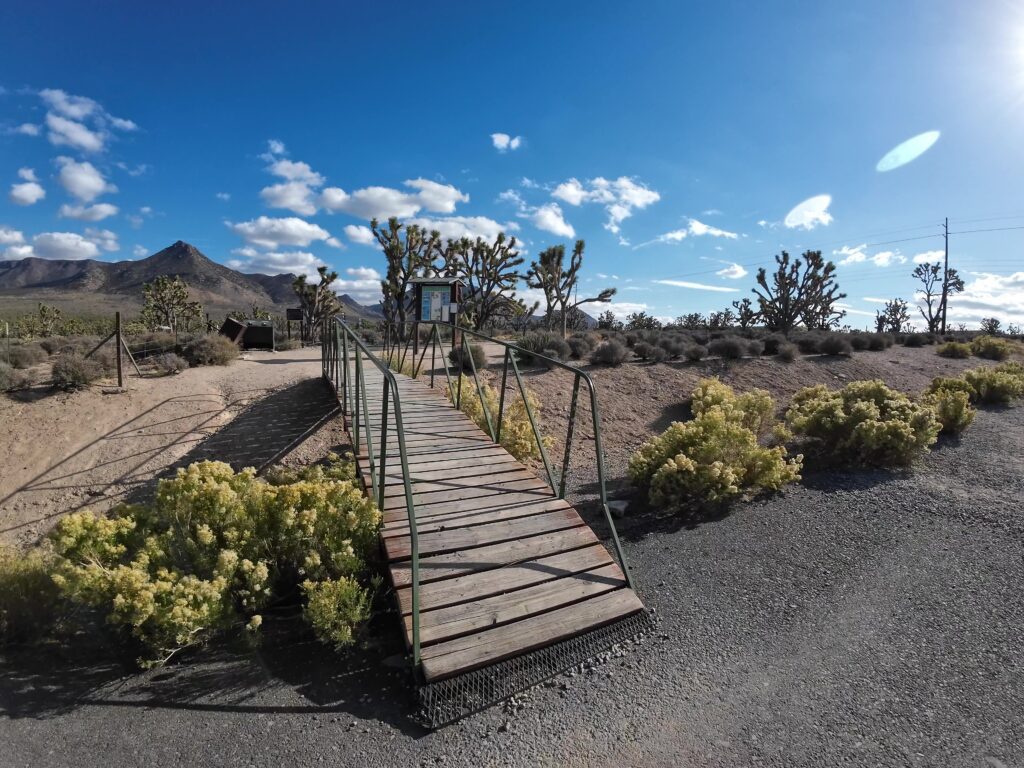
[{"x": 679, "y": 142}]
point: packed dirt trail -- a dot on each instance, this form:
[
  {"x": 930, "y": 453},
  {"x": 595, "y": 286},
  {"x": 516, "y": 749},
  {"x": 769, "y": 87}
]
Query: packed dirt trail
[{"x": 91, "y": 448}]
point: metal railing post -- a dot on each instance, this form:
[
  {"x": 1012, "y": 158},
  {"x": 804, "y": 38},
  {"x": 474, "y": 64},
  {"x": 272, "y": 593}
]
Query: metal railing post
[{"x": 568, "y": 436}]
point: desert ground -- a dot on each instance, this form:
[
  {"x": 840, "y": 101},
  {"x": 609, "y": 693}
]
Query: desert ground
[{"x": 861, "y": 618}]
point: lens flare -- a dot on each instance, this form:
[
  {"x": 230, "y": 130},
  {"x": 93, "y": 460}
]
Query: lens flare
[{"x": 907, "y": 152}]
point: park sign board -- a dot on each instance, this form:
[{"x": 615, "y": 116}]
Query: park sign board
[{"x": 437, "y": 299}]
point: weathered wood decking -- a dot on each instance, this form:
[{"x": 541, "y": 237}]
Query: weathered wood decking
[{"x": 505, "y": 566}]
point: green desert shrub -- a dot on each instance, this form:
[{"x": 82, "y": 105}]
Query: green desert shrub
[
  {"x": 210, "y": 349},
  {"x": 29, "y": 598},
  {"x": 951, "y": 384},
  {"x": 26, "y": 355},
  {"x": 787, "y": 352},
  {"x": 865, "y": 422},
  {"x": 169, "y": 363},
  {"x": 915, "y": 340},
  {"x": 990, "y": 348},
  {"x": 754, "y": 410},
  {"x": 772, "y": 342},
  {"x": 517, "y": 435},
  {"x": 859, "y": 341},
  {"x": 461, "y": 362},
  {"x": 808, "y": 343},
  {"x": 609, "y": 352},
  {"x": 695, "y": 352},
  {"x": 580, "y": 345},
  {"x": 835, "y": 344},
  {"x": 954, "y": 349},
  {"x": 539, "y": 342},
  {"x": 952, "y": 409},
  {"x": 992, "y": 386},
  {"x": 727, "y": 347},
  {"x": 72, "y": 371},
  {"x": 215, "y": 549},
  {"x": 878, "y": 342},
  {"x": 714, "y": 457}
]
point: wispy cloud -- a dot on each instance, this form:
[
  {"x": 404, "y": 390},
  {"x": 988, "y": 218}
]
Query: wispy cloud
[
  {"x": 697, "y": 286},
  {"x": 620, "y": 197},
  {"x": 857, "y": 254}
]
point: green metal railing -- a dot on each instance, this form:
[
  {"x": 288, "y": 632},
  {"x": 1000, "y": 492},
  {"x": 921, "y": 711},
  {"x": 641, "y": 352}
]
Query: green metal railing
[
  {"x": 343, "y": 355},
  {"x": 398, "y": 354}
]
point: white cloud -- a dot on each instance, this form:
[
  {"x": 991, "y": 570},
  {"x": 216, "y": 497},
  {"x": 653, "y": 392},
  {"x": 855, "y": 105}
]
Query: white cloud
[
  {"x": 140, "y": 251},
  {"x": 357, "y": 233},
  {"x": 809, "y": 214},
  {"x": 334, "y": 242},
  {"x": 9, "y": 236},
  {"x": 295, "y": 196},
  {"x": 621, "y": 309},
  {"x": 472, "y": 227},
  {"x": 929, "y": 257},
  {"x": 989, "y": 295},
  {"x": 29, "y": 191},
  {"x": 27, "y": 129},
  {"x": 858, "y": 253},
  {"x": 276, "y": 263},
  {"x": 104, "y": 238},
  {"x": 873, "y": 300},
  {"x": 732, "y": 271},
  {"x": 549, "y": 218},
  {"x": 97, "y": 212},
  {"x": 294, "y": 170},
  {"x": 75, "y": 107},
  {"x": 697, "y": 286},
  {"x": 699, "y": 228},
  {"x": 503, "y": 142},
  {"x": 63, "y": 245},
  {"x": 82, "y": 180},
  {"x": 267, "y": 232},
  {"x": 851, "y": 311},
  {"x": 64, "y": 132},
  {"x": 361, "y": 283},
  {"x": 225, "y": 196},
  {"x": 620, "y": 197},
  {"x": 385, "y": 202},
  {"x": 275, "y": 147},
  {"x": 16, "y": 252}
]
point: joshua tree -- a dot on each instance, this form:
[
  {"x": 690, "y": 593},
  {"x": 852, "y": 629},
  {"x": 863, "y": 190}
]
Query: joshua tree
[
  {"x": 745, "y": 313},
  {"x": 894, "y": 318},
  {"x": 550, "y": 275},
  {"x": 692, "y": 322},
  {"x": 641, "y": 321},
  {"x": 489, "y": 271},
  {"x": 800, "y": 291},
  {"x": 932, "y": 279},
  {"x": 990, "y": 325},
  {"x": 409, "y": 254},
  {"x": 317, "y": 300},
  {"x": 166, "y": 302},
  {"x": 49, "y": 319},
  {"x": 606, "y": 320}
]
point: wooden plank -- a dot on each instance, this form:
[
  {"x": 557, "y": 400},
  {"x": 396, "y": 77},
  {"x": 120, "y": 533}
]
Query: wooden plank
[
  {"x": 489, "y": 479},
  {"x": 476, "y": 586},
  {"x": 496, "y": 502},
  {"x": 452, "y": 539},
  {"x": 465, "y": 618},
  {"x": 473, "y": 651},
  {"x": 531, "y": 484},
  {"x": 468, "y": 519},
  {"x": 494, "y": 556}
]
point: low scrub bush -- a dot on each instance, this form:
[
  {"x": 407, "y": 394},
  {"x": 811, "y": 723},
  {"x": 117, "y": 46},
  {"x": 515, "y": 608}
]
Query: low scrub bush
[
  {"x": 72, "y": 371},
  {"x": 695, "y": 352},
  {"x": 954, "y": 349},
  {"x": 878, "y": 342},
  {"x": 609, "y": 352},
  {"x": 772, "y": 342},
  {"x": 990, "y": 348},
  {"x": 788, "y": 352},
  {"x": 169, "y": 363},
  {"x": 835, "y": 345},
  {"x": 580, "y": 346},
  {"x": 29, "y": 598},
  {"x": 216, "y": 548},
  {"x": 808, "y": 343},
  {"x": 865, "y": 422},
  {"x": 859, "y": 341},
  {"x": 26, "y": 355},
  {"x": 210, "y": 349},
  {"x": 727, "y": 347},
  {"x": 461, "y": 362},
  {"x": 517, "y": 435},
  {"x": 950, "y": 384},
  {"x": 10, "y": 378},
  {"x": 286, "y": 345},
  {"x": 992, "y": 386},
  {"x": 754, "y": 410},
  {"x": 643, "y": 350},
  {"x": 755, "y": 347},
  {"x": 715, "y": 457},
  {"x": 915, "y": 340},
  {"x": 952, "y": 409},
  {"x": 541, "y": 342}
]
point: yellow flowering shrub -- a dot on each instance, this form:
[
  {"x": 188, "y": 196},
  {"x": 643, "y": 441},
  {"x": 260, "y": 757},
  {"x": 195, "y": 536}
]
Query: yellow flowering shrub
[
  {"x": 952, "y": 409},
  {"x": 215, "y": 548},
  {"x": 716, "y": 456},
  {"x": 28, "y": 597},
  {"x": 865, "y": 422},
  {"x": 517, "y": 436}
]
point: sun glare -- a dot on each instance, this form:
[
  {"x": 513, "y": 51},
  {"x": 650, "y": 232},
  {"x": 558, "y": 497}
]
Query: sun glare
[{"x": 907, "y": 152}]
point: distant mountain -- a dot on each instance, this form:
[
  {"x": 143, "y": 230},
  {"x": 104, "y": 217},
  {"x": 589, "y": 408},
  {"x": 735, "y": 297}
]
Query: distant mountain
[{"x": 97, "y": 286}]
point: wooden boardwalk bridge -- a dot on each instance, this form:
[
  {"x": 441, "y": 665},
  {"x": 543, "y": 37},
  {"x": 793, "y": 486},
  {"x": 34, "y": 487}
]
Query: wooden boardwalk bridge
[{"x": 491, "y": 562}]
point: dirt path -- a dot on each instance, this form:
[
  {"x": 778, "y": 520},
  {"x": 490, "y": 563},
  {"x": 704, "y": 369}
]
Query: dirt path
[{"x": 63, "y": 452}]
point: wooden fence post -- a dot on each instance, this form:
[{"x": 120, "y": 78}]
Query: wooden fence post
[{"x": 119, "y": 345}]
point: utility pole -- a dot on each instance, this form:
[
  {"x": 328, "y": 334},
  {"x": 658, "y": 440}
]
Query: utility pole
[{"x": 945, "y": 274}]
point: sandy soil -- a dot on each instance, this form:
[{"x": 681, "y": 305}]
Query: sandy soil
[{"x": 61, "y": 452}]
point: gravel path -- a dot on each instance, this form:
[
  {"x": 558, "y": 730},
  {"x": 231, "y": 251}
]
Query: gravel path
[{"x": 861, "y": 619}]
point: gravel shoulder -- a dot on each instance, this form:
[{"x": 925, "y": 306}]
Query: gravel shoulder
[{"x": 862, "y": 618}]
